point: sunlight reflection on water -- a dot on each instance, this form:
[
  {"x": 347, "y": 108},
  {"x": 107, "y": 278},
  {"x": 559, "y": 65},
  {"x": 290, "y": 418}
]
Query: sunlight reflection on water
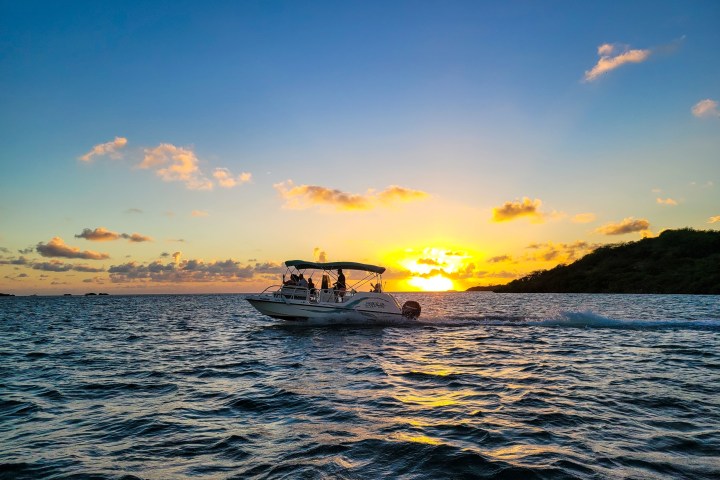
[{"x": 172, "y": 386}]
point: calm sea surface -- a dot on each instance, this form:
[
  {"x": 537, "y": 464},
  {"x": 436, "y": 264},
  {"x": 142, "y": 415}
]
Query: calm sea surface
[{"x": 486, "y": 386}]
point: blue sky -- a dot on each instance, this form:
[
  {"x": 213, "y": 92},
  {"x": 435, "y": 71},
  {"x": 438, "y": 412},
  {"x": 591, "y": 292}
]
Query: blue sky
[{"x": 472, "y": 104}]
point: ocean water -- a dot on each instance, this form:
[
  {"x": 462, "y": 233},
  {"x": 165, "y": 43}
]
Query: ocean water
[{"x": 484, "y": 386}]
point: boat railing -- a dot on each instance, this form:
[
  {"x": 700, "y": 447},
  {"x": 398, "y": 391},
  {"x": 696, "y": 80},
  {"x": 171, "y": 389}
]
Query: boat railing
[{"x": 315, "y": 295}]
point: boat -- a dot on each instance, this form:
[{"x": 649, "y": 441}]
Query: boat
[{"x": 298, "y": 299}]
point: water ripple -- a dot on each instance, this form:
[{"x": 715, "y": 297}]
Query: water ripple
[{"x": 484, "y": 386}]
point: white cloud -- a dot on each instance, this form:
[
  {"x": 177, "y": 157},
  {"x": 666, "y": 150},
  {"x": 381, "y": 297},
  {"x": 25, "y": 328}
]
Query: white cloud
[
  {"x": 176, "y": 164},
  {"x": 110, "y": 149},
  {"x": 666, "y": 201},
  {"x": 613, "y": 56},
  {"x": 172, "y": 164},
  {"x": 706, "y": 109}
]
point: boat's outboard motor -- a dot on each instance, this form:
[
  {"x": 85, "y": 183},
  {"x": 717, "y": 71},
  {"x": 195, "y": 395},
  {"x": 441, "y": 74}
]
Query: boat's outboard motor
[{"x": 411, "y": 309}]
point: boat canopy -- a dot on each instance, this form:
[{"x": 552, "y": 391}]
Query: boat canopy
[{"x": 302, "y": 264}]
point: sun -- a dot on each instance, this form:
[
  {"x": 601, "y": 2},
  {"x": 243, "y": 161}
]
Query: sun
[{"x": 438, "y": 283}]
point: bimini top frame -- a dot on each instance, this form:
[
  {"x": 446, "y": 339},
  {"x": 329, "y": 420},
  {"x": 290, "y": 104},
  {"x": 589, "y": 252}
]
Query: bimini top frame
[{"x": 302, "y": 265}]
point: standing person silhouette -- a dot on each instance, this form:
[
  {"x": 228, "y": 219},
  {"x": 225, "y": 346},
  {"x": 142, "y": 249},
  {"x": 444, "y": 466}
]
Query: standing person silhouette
[{"x": 340, "y": 284}]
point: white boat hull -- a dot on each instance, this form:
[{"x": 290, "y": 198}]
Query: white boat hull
[{"x": 361, "y": 307}]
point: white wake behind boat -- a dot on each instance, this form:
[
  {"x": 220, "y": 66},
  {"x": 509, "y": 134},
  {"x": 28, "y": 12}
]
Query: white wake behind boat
[{"x": 332, "y": 299}]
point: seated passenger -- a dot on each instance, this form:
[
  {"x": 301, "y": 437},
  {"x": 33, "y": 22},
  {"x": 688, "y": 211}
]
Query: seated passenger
[
  {"x": 311, "y": 285},
  {"x": 302, "y": 282}
]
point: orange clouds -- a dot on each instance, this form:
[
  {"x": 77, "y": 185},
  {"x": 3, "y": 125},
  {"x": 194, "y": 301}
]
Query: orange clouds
[
  {"x": 613, "y": 56},
  {"x": 57, "y": 248},
  {"x": 177, "y": 165},
  {"x": 519, "y": 208},
  {"x": 226, "y": 180},
  {"x": 305, "y": 196},
  {"x": 394, "y": 193},
  {"x": 102, "y": 234},
  {"x": 666, "y": 201},
  {"x": 109, "y": 148},
  {"x": 628, "y": 225}
]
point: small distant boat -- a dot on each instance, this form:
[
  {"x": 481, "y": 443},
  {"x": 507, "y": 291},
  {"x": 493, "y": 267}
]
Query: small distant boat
[{"x": 299, "y": 299}]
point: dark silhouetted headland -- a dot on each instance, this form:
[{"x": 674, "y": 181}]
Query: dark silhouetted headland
[{"x": 677, "y": 261}]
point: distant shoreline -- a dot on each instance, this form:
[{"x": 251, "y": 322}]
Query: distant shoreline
[{"x": 677, "y": 262}]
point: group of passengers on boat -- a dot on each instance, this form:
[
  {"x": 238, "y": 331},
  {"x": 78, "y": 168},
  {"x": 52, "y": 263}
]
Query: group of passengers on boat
[{"x": 339, "y": 288}]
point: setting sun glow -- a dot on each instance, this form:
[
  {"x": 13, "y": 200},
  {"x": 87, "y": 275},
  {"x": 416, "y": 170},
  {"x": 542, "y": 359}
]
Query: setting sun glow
[
  {"x": 438, "y": 283},
  {"x": 431, "y": 269}
]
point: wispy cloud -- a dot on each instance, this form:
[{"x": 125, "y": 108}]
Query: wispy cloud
[
  {"x": 304, "y": 196},
  {"x": 136, "y": 237},
  {"x": 395, "y": 193},
  {"x": 59, "y": 266},
  {"x": 584, "y": 218},
  {"x": 613, "y": 56},
  {"x": 706, "y": 109},
  {"x": 57, "y": 248},
  {"x": 500, "y": 259},
  {"x": 102, "y": 234},
  {"x": 666, "y": 201},
  {"x": 133, "y": 210},
  {"x": 199, "y": 213},
  {"x": 110, "y": 149},
  {"x": 714, "y": 219},
  {"x": 226, "y": 179},
  {"x": 627, "y": 225},
  {"x": 518, "y": 208},
  {"x": 560, "y": 252}
]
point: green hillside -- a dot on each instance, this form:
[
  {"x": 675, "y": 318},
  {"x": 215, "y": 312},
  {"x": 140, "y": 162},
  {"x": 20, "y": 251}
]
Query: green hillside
[{"x": 677, "y": 261}]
